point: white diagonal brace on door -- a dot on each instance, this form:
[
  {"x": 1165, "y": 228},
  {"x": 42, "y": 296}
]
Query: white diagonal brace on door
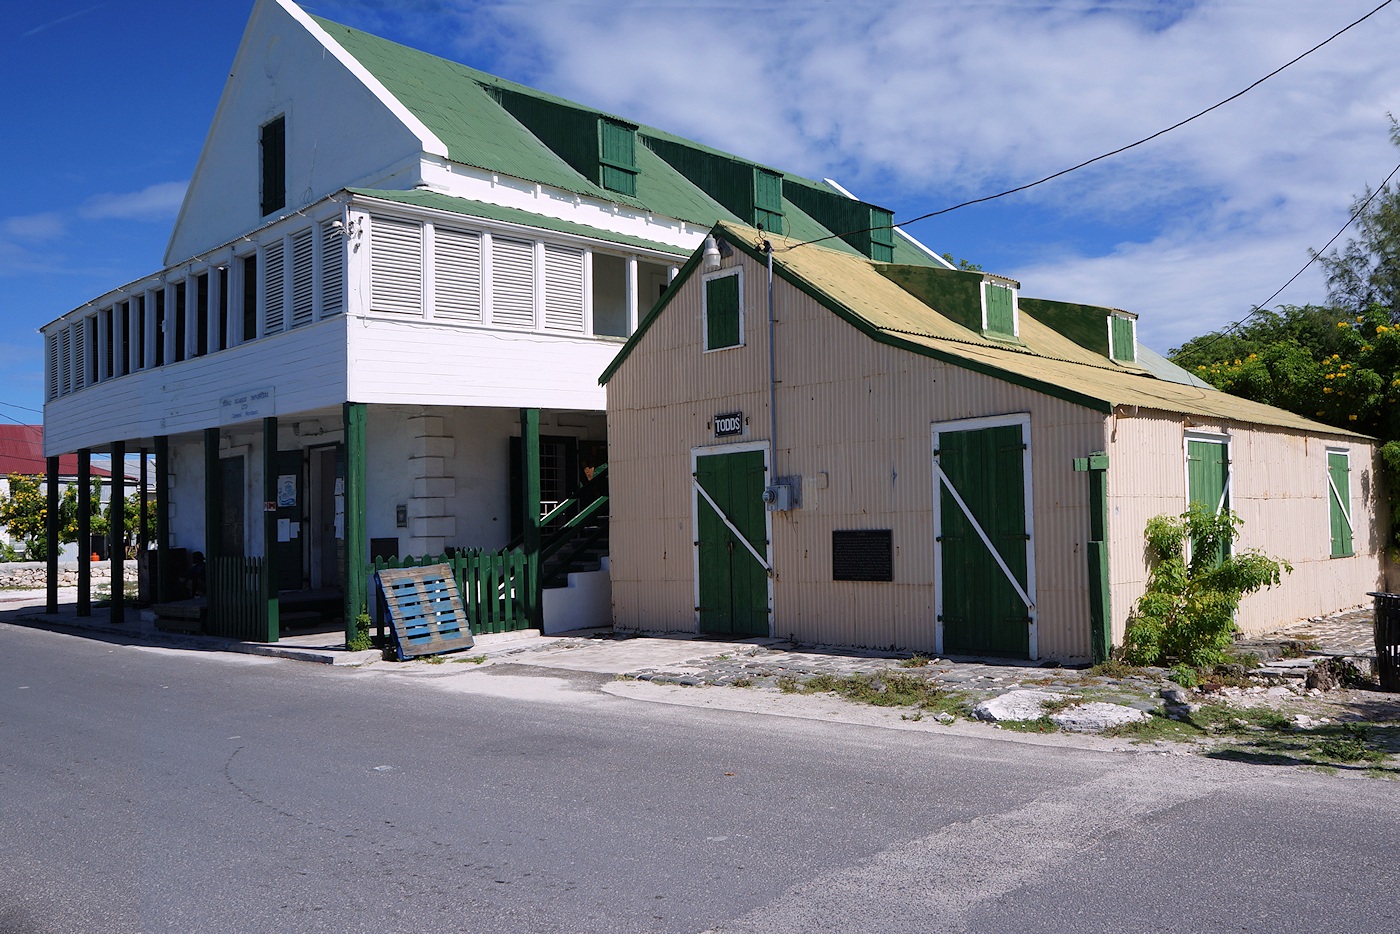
[
  {"x": 977, "y": 527},
  {"x": 729, "y": 525},
  {"x": 1345, "y": 506},
  {"x": 1224, "y": 495}
]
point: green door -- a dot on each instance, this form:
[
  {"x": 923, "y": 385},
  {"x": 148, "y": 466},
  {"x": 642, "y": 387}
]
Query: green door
[
  {"x": 733, "y": 583},
  {"x": 1208, "y": 478},
  {"x": 983, "y": 612}
]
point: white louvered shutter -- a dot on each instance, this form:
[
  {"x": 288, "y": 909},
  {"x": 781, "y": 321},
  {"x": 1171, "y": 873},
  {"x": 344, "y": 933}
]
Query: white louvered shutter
[
  {"x": 51, "y": 363},
  {"x": 66, "y": 354},
  {"x": 332, "y": 270},
  {"x": 512, "y": 283},
  {"x": 457, "y": 275},
  {"x": 303, "y": 309},
  {"x": 80, "y": 355},
  {"x": 563, "y": 289},
  {"x": 397, "y": 266},
  {"x": 272, "y": 288}
]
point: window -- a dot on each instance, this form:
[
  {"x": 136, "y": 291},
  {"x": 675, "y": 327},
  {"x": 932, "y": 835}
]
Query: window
[
  {"x": 303, "y": 253},
  {"x": 563, "y": 289},
  {"x": 999, "y": 304},
  {"x": 250, "y": 297},
  {"x": 768, "y": 200},
  {"x": 456, "y": 275},
  {"x": 724, "y": 318},
  {"x": 512, "y": 283},
  {"x": 180, "y": 322},
  {"x": 272, "y": 147},
  {"x": 201, "y": 314},
  {"x": 609, "y": 295},
  {"x": 1122, "y": 339},
  {"x": 273, "y": 296},
  {"x": 160, "y": 327},
  {"x": 332, "y": 269},
  {"x": 1339, "y": 502},
  {"x": 617, "y": 147},
  {"x": 396, "y": 266}
]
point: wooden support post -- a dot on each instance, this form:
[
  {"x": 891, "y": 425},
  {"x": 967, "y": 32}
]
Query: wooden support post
[
  {"x": 164, "y": 585},
  {"x": 530, "y": 513},
  {"x": 269, "y": 567},
  {"x": 51, "y": 544},
  {"x": 84, "y": 532},
  {"x": 356, "y": 579},
  {"x": 213, "y": 521},
  {"x": 1100, "y": 617},
  {"x": 116, "y": 531}
]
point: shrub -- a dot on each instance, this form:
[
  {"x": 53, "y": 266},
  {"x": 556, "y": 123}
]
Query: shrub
[{"x": 1186, "y": 615}]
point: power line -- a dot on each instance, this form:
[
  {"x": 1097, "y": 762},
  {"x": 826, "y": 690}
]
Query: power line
[
  {"x": 1316, "y": 254},
  {"x": 1121, "y": 149}
]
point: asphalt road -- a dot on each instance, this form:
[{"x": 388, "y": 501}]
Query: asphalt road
[{"x": 150, "y": 790}]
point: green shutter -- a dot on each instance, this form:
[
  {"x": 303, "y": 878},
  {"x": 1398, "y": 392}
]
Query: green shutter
[
  {"x": 881, "y": 235},
  {"x": 1124, "y": 347},
  {"x": 1207, "y": 481},
  {"x": 722, "y": 312},
  {"x": 617, "y": 156},
  {"x": 1001, "y": 310},
  {"x": 768, "y": 200},
  {"x": 1339, "y": 497}
]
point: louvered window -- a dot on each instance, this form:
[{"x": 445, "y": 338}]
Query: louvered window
[
  {"x": 65, "y": 353},
  {"x": 80, "y": 356},
  {"x": 768, "y": 200},
  {"x": 1121, "y": 336},
  {"x": 332, "y": 270},
  {"x": 303, "y": 309},
  {"x": 563, "y": 289},
  {"x": 1001, "y": 309},
  {"x": 272, "y": 288},
  {"x": 512, "y": 283},
  {"x": 457, "y": 275},
  {"x": 51, "y": 343},
  {"x": 617, "y": 146},
  {"x": 724, "y": 321},
  {"x": 397, "y": 266}
]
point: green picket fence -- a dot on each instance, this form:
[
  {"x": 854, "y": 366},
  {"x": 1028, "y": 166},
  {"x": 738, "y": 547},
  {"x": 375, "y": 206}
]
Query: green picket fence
[
  {"x": 237, "y": 599},
  {"x": 494, "y": 585}
]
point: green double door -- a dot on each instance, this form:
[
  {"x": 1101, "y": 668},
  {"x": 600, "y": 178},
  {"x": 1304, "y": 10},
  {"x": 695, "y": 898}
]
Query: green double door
[
  {"x": 985, "y": 585},
  {"x": 733, "y": 587}
]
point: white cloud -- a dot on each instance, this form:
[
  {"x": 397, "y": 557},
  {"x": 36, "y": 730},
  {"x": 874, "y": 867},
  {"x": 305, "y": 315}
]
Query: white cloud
[
  {"x": 154, "y": 202},
  {"x": 46, "y": 226},
  {"x": 922, "y": 104}
]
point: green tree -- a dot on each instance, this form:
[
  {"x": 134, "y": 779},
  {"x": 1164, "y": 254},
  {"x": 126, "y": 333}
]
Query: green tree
[{"x": 23, "y": 511}]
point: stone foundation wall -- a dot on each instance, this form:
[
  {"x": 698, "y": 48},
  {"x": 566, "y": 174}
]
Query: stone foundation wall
[{"x": 35, "y": 574}]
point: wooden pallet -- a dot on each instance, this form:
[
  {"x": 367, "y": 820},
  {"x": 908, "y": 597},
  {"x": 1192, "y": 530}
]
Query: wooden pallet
[{"x": 425, "y": 610}]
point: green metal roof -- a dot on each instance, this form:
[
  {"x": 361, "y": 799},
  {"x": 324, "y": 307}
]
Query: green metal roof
[
  {"x": 852, "y": 287},
  {"x": 496, "y": 212},
  {"x": 454, "y": 102}
]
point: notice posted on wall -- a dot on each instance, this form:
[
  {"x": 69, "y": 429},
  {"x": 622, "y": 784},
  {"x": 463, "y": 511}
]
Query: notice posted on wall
[{"x": 284, "y": 530}]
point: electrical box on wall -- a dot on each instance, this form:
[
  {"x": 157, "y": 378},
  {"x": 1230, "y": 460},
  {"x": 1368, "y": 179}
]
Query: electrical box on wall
[{"x": 778, "y": 497}]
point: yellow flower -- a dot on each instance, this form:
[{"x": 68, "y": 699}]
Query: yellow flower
[
  {"x": 1366, "y": 348},
  {"x": 1342, "y": 324},
  {"x": 1319, "y": 413},
  {"x": 1327, "y": 389},
  {"x": 1329, "y": 376},
  {"x": 1237, "y": 363},
  {"x": 1351, "y": 418}
]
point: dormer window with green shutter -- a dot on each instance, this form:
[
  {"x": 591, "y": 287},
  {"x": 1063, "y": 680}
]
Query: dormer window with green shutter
[
  {"x": 999, "y": 309},
  {"x": 1122, "y": 338},
  {"x": 617, "y": 156},
  {"x": 272, "y": 154},
  {"x": 768, "y": 200},
  {"x": 724, "y": 311}
]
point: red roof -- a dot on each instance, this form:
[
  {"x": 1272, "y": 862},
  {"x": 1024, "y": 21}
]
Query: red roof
[{"x": 22, "y": 451}]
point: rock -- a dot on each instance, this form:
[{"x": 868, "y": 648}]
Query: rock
[
  {"x": 1322, "y": 677},
  {"x": 1095, "y": 717},
  {"x": 1015, "y": 705},
  {"x": 945, "y": 718},
  {"x": 1176, "y": 696},
  {"x": 1280, "y": 691}
]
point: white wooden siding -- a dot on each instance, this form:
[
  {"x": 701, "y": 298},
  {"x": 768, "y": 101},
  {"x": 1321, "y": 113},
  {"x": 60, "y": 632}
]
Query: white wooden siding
[
  {"x": 563, "y": 289},
  {"x": 305, "y": 369},
  {"x": 457, "y": 275},
  {"x": 396, "y": 266},
  {"x": 512, "y": 283}
]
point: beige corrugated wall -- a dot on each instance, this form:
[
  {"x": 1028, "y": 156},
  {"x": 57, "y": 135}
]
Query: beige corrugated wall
[
  {"x": 854, "y": 422},
  {"x": 1278, "y": 486}
]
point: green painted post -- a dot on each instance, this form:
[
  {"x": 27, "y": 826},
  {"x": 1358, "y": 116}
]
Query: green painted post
[
  {"x": 116, "y": 531},
  {"x": 51, "y": 537},
  {"x": 355, "y": 415},
  {"x": 1100, "y": 617},
  {"x": 84, "y": 532},
  {"x": 530, "y": 513},
  {"x": 163, "y": 572},
  {"x": 269, "y": 565}
]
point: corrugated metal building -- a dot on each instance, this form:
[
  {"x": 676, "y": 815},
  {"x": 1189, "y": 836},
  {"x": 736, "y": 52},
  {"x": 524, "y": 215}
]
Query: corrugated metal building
[{"x": 952, "y": 468}]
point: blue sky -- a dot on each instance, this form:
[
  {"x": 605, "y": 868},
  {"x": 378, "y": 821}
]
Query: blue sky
[{"x": 913, "y": 105}]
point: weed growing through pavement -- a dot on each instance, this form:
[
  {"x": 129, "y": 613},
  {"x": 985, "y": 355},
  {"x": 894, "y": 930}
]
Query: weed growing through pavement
[
  {"x": 882, "y": 690},
  {"x": 742, "y": 682},
  {"x": 915, "y": 661},
  {"x": 1041, "y": 724},
  {"x": 470, "y": 660},
  {"x": 433, "y": 659}
]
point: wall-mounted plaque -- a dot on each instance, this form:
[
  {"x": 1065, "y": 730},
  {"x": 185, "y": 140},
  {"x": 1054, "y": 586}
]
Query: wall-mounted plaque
[
  {"x": 729, "y": 424},
  {"x": 862, "y": 555}
]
